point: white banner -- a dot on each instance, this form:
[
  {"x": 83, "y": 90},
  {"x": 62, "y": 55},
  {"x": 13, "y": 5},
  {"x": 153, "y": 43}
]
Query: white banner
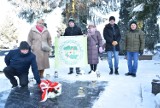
[{"x": 71, "y": 51}]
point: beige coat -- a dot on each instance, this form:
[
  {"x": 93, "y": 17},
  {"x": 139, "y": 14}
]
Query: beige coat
[{"x": 34, "y": 39}]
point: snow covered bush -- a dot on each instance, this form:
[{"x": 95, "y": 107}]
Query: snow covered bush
[{"x": 157, "y": 100}]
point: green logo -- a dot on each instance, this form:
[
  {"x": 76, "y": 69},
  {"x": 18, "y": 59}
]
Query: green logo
[{"x": 70, "y": 52}]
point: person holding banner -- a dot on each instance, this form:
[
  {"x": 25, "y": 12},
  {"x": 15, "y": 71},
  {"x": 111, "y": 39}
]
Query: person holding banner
[
  {"x": 94, "y": 43},
  {"x": 72, "y": 30}
]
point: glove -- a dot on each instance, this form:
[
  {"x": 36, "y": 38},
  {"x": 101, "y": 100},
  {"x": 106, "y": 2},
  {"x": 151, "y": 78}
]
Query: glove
[
  {"x": 141, "y": 52},
  {"x": 101, "y": 49}
]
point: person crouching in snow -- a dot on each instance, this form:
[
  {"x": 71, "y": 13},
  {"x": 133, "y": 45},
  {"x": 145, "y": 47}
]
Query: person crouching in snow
[
  {"x": 18, "y": 62},
  {"x": 94, "y": 43}
]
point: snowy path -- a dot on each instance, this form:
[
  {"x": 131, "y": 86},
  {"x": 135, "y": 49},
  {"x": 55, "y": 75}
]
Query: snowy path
[{"x": 123, "y": 93}]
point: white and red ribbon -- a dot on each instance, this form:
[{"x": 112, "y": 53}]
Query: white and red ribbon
[{"x": 49, "y": 89}]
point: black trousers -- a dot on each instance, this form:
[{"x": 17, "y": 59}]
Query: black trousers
[
  {"x": 11, "y": 72},
  {"x": 77, "y": 69},
  {"x": 93, "y": 67}
]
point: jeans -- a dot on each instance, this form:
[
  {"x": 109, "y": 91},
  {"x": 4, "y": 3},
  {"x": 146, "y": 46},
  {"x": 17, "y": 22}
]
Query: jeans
[
  {"x": 132, "y": 66},
  {"x": 10, "y": 73},
  {"x": 116, "y": 58}
]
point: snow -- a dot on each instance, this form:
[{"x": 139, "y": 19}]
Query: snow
[
  {"x": 158, "y": 20},
  {"x": 126, "y": 92},
  {"x": 3, "y": 10},
  {"x": 157, "y": 100},
  {"x": 138, "y": 8},
  {"x": 122, "y": 91},
  {"x": 147, "y": 52},
  {"x": 54, "y": 21},
  {"x": 158, "y": 44}
]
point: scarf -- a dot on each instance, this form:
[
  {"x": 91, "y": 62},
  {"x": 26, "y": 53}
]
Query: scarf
[{"x": 39, "y": 28}]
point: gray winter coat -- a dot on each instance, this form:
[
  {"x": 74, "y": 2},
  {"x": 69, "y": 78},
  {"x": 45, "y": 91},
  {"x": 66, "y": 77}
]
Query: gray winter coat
[{"x": 93, "y": 44}]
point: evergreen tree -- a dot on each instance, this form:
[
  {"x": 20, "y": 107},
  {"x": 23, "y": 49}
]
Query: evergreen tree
[
  {"x": 34, "y": 9},
  {"x": 124, "y": 19},
  {"x": 147, "y": 16},
  {"x": 8, "y": 33},
  {"x": 83, "y": 10}
]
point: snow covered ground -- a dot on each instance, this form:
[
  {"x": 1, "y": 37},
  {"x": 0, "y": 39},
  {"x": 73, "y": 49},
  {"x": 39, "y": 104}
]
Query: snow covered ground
[{"x": 121, "y": 92}]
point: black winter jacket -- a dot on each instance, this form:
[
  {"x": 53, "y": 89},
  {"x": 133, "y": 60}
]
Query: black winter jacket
[
  {"x": 72, "y": 31},
  {"x": 111, "y": 35},
  {"x": 22, "y": 62}
]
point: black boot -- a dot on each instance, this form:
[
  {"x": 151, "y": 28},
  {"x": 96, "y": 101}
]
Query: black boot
[
  {"x": 78, "y": 70},
  {"x": 90, "y": 71},
  {"x": 70, "y": 70},
  {"x": 128, "y": 74},
  {"x": 116, "y": 71},
  {"x": 133, "y": 75},
  {"x": 111, "y": 71}
]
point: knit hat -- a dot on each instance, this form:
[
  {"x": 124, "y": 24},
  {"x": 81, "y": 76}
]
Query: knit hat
[
  {"x": 133, "y": 22},
  {"x": 71, "y": 20},
  {"x": 111, "y": 18},
  {"x": 24, "y": 45},
  {"x": 91, "y": 24}
]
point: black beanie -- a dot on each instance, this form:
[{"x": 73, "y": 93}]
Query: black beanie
[
  {"x": 111, "y": 18},
  {"x": 133, "y": 22},
  {"x": 24, "y": 45},
  {"x": 71, "y": 20}
]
